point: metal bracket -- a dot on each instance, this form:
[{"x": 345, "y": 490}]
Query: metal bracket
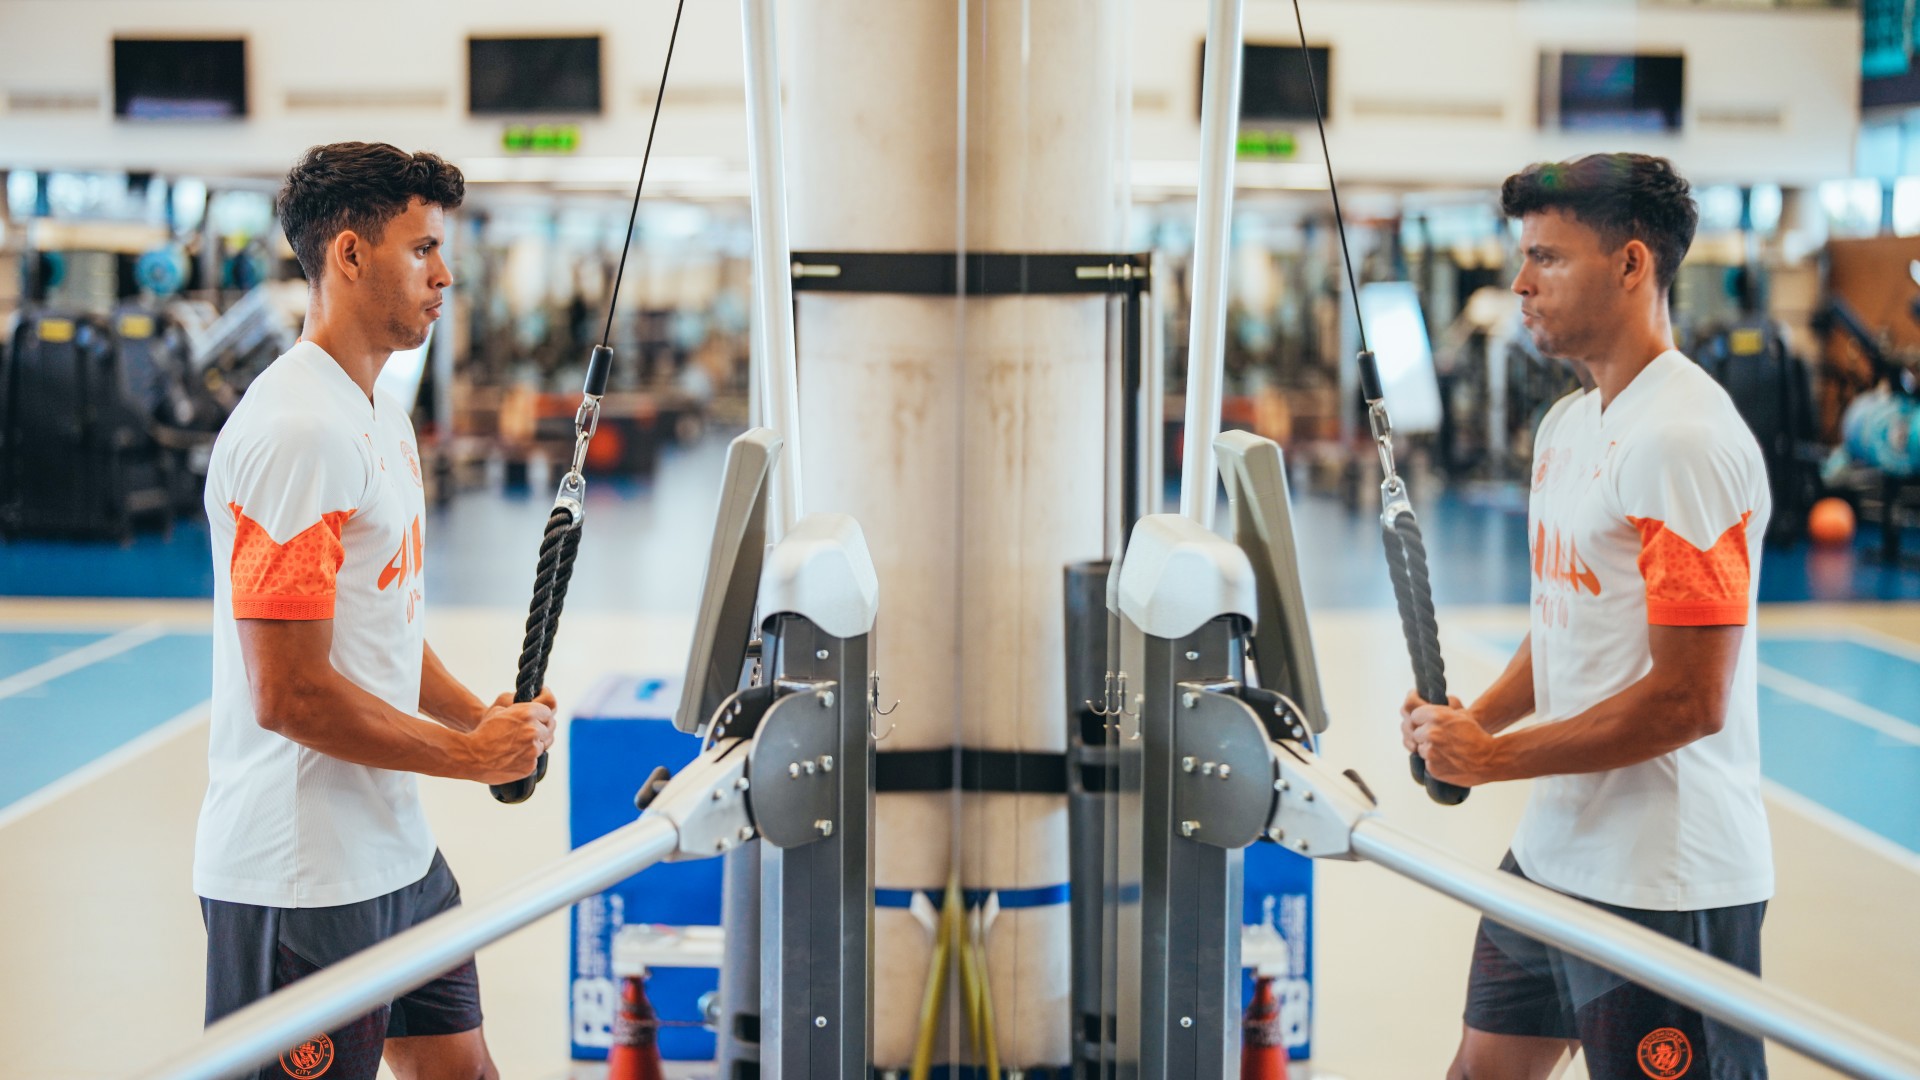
[
  {"x": 1280, "y": 714},
  {"x": 1318, "y": 808},
  {"x": 707, "y": 802},
  {"x": 738, "y": 717},
  {"x": 1223, "y": 791},
  {"x": 793, "y": 763}
]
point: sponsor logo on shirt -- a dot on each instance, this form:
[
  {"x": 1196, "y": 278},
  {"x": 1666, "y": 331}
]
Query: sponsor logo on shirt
[
  {"x": 1559, "y": 574},
  {"x": 403, "y": 571},
  {"x": 1665, "y": 1054}
]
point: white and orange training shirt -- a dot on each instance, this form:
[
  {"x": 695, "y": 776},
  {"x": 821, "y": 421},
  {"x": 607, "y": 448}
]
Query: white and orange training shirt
[
  {"x": 315, "y": 499},
  {"x": 1650, "y": 513}
]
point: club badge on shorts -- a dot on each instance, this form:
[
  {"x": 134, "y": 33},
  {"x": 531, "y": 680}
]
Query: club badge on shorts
[
  {"x": 1665, "y": 1054},
  {"x": 308, "y": 1060}
]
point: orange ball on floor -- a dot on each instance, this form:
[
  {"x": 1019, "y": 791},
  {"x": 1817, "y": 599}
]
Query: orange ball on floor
[{"x": 1830, "y": 521}]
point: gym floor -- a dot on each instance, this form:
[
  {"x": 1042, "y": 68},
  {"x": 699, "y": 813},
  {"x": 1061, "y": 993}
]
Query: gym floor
[{"x": 104, "y": 718}]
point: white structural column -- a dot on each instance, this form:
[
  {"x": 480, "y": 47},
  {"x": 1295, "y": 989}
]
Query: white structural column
[
  {"x": 873, "y": 159},
  {"x": 966, "y": 436},
  {"x": 1046, "y": 127}
]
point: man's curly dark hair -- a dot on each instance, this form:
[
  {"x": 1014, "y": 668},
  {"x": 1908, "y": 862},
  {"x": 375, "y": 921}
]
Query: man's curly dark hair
[
  {"x": 359, "y": 186},
  {"x": 1620, "y": 196}
]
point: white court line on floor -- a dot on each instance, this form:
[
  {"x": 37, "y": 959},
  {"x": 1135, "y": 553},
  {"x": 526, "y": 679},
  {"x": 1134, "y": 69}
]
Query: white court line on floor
[
  {"x": 104, "y": 764},
  {"x": 1883, "y": 641},
  {"x": 1845, "y": 827},
  {"x": 1839, "y": 704},
  {"x": 69, "y": 662}
]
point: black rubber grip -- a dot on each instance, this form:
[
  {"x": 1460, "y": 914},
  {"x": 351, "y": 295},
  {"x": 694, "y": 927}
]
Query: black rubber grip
[
  {"x": 558, "y": 549},
  {"x": 599, "y": 366},
  {"x": 1413, "y": 592},
  {"x": 1370, "y": 387}
]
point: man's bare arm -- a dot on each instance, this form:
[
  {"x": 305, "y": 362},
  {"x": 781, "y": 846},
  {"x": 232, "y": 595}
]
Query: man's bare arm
[
  {"x": 1507, "y": 702},
  {"x": 1510, "y": 699},
  {"x": 1683, "y": 698},
  {"x": 445, "y": 698},
  {"x": 299, "y": 695}
]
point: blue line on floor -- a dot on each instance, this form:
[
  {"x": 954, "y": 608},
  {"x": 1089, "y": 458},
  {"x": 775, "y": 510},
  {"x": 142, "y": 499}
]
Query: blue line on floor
[
  {"x": 63, "y": 724},
  {"x": 21, "y": 650},
  {"x": 1874, "y": 677},
  {"x": 1855, "y": 771}
]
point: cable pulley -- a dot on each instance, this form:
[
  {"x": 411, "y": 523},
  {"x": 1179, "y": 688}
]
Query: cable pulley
[
  {"x": 560, "y": 544},
  {"x": 1399, "y": 527}
]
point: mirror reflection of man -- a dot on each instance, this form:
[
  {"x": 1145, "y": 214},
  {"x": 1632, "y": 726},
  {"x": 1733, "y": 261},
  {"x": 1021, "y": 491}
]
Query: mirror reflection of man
[
  {"x": 1649, "y": 501},
  {"x": 312, "y": 843}
]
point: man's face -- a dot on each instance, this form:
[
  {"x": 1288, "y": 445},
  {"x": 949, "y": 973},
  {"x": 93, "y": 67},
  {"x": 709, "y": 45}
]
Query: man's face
[
  {"x": 1570, "y": 285},
  {"x": 405, "y": 275}
]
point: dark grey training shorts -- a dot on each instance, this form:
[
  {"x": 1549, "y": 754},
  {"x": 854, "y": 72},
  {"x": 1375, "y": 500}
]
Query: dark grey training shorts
[
  {"x": 1521, "y": 987},
  {"x": 253, "y": 951}
]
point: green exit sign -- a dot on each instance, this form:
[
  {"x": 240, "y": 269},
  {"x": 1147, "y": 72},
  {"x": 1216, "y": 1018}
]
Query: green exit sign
[
  {"x": 1267, "y": 145},
  {"x": 541, "y": 139}
]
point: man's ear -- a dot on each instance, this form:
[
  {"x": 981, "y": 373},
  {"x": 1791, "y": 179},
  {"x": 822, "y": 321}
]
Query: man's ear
[
  {"x": 1636, "y": 263},
  {"x": 348, "y": 254}
]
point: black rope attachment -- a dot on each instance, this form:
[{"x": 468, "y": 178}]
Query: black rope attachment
[
  {"x": 1399, "y": 529},
  {"x": 560, "y": 545}
]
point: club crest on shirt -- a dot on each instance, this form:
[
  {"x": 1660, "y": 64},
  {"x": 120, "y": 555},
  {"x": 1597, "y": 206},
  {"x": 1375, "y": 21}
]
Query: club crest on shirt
[
  {"x": 309, "y": 1060},
  {"x": 413, "y": 463},
  {"x": 1665, "y": 1054}
]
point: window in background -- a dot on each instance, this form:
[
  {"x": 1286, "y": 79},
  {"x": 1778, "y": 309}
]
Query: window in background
[
  {"x": 533, "y": 75},
  {"x": 1852, "y": 207},
  {"x": 1906, "y": 206},
  {"x": 1719, "y": 207},
  {"x": 179, "y": 79},
  {"x": 1764, "y": 203},
  {"x": 23, "y": 191}
]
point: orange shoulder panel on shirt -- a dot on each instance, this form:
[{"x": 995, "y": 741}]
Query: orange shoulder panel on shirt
[
  {"x": 1690, "y": 587},
  {"x": 294, "y": 580}
]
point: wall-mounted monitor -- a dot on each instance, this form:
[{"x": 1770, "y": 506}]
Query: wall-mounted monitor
[
  {"x": 1273, "y": 81},
  {"x": 179, "y": 79},
  {"x": 1581, "y": 91},
  {"x": 1888, "y": 73},
  {"x": 519, "y": 75}
]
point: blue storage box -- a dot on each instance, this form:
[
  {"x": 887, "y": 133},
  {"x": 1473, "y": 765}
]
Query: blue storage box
[{"x": 619, "y": 732}]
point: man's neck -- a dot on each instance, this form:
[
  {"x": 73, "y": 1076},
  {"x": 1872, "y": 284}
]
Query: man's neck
[
  {"x": 347, "y": 344},
  {"x": 1626, "y": 357}
]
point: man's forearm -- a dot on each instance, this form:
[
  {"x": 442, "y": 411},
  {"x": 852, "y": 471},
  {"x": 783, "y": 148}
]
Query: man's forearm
[
  {"x": 330, "y": 714},
  {"x": 444, "y": 697},
  {"x": 1510, "y": 699},
  {"x": 1649, "y": 718}
]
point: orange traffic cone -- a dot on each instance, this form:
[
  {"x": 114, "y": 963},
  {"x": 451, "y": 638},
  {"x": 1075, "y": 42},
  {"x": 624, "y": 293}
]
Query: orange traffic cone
[
  {"x": 636, "y": 1044},
  {"x": 1263, "y": 1051}
]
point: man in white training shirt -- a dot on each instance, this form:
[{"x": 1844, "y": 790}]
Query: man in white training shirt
[
  {"x": 312, "y": 844},
  {"x": 1648, "y": 506}
]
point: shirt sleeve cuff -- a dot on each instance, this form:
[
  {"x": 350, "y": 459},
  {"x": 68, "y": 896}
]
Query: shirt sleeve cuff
[
  {"x": 284, "y": 608},
  {"x": 1697, "y": 612}
]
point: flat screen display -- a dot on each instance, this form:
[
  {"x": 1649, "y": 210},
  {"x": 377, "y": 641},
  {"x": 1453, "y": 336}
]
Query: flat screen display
[
  {"x": 1889, "y": 40},
  {"x": 1273, "y": 81},
  {"x": 1621, "y": 92},
  {"x": 1398, "y": 333},
  {"x": 533, "y": 75},
  {"x": 179, "y": 79}
]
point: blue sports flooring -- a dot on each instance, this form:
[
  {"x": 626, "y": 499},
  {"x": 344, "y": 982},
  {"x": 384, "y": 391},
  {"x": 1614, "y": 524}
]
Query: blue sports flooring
[
  {"x": 56, "y": 726},
  {"x": 1839, "y": 715}
]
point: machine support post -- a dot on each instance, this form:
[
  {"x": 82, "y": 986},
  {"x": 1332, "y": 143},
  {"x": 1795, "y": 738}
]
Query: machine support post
[{"x": 815, "y": 770}]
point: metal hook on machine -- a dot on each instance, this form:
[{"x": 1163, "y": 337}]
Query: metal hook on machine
[{"x": 874, "y": 709}]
